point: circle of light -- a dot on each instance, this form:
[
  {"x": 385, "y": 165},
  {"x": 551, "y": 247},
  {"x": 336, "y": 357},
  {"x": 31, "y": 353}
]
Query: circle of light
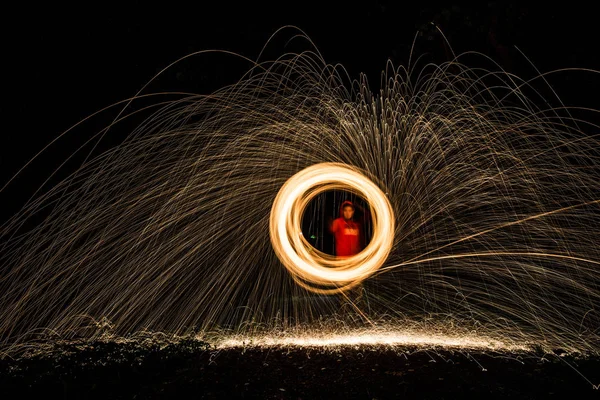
[{"x": 312, "y": 269}]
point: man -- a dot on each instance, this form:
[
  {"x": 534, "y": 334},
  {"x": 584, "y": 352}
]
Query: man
[
  {"x": 348, "y": 233},
  {"x": 349, "y": 239}
]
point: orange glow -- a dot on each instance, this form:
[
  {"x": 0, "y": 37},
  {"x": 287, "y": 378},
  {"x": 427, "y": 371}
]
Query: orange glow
[
  {"x": 315, "y": 270},
  {"x": 367, "y": 338}
]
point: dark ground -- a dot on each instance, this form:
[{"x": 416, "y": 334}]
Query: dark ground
[{"x": 193, "y": 370}]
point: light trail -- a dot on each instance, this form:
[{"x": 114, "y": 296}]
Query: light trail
[
  {"x": 309, "y": 266},
  {"x": 485, "y": 207},
  {"x": 380, "y": 340}
]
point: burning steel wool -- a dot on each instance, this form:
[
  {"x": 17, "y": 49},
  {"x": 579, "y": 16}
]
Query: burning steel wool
[
  {"x": 310, "y": 266},
  {"x": 485, "y": 214}
]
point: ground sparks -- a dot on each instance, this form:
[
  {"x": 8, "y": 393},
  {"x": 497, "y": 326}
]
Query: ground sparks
[{"x": 467, "y": 342}]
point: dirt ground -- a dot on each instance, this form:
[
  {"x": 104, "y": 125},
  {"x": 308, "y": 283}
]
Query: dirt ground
[{"x": 105, "y": 370}]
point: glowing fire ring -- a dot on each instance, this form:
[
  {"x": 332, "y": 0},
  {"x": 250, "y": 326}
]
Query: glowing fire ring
[{"x": 313, "y": 269}]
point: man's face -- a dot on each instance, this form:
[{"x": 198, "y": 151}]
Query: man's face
[{"x": 348, "y": 212}]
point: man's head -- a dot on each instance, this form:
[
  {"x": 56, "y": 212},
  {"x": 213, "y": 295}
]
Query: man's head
[{"x": 348, "y": 211}]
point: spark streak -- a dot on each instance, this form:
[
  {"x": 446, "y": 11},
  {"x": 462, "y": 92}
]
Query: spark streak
[
  {"x": 391, "y": 339},
  {"x": 486, "y": 210},
  {"x": 310, "y": 266}
]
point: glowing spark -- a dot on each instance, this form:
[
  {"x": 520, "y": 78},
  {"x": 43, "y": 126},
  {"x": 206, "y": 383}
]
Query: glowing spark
[
  {"x": 310, "y": 266},
  {"x": 184, "y": 226},
  {"x": 407, "y": 338}
]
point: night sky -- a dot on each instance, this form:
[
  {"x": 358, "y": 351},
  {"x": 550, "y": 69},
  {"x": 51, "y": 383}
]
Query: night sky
[{"x": 62, "y": 64}]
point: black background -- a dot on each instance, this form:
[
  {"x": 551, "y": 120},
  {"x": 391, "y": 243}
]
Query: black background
[{"x": 62, "y": 64}]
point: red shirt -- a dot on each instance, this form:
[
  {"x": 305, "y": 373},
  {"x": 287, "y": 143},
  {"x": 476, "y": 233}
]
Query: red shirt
[{"x": 347, "y": 234}]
